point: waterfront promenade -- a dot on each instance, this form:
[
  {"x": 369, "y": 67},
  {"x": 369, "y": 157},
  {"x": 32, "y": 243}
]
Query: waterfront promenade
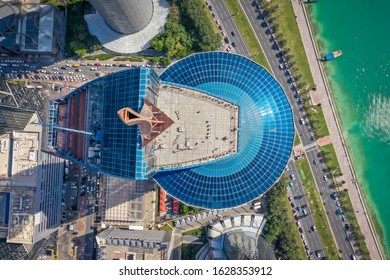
[{"x": 335, "y": 130}]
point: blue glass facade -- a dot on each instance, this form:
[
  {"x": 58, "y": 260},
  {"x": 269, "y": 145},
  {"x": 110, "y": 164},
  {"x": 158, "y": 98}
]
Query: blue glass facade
[{"x": 266, "y": 131}]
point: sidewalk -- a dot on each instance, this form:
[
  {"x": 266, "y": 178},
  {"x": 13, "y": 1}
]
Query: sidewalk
[{"x": 335, "y": 130}]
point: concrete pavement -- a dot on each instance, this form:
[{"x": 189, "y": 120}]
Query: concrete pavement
[{"x": 335, "y": 130}]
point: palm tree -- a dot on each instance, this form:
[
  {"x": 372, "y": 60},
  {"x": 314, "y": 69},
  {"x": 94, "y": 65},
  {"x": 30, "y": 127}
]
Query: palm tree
[
  {"x": 271, "y": 19},
  {"x": 275, "y": 27},
  {"x": 279, "y": 36}
]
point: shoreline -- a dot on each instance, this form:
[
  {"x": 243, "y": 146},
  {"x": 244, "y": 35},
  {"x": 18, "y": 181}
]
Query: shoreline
[
  {"x": 373, "y": 216},
  {"x": 356, "y": 196}
]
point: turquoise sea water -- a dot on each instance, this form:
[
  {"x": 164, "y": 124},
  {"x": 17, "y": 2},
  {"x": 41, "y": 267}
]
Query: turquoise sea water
[{"x": 361, "y": 86}]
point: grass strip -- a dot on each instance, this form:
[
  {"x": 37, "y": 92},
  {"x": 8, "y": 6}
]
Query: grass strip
[
  {"x": 354, "y": 225},
  {"x": 103, "y": 56},
  {"x": 330, "y": 158}
]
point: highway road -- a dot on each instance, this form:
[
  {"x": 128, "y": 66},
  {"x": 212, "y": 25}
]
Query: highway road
[
  {"x": 338, "y": 226},
  {"x": 223, "y": 15},
  {"x": 306, "y": 222},
  {"x": 304, "y": 130}
]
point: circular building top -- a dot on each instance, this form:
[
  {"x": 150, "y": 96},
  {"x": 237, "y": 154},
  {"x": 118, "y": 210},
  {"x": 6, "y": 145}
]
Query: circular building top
[{"x": 265, "y": 135}]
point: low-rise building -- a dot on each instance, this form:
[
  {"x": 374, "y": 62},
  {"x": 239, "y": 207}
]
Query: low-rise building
[{"x": 125, "y": 244}]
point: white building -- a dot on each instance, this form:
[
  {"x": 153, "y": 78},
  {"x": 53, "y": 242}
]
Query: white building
[{"x": 30, "y": 180}]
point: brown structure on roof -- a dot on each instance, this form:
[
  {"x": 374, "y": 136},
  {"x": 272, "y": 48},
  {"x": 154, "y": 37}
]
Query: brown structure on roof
[{"x": 151, "y": 121}]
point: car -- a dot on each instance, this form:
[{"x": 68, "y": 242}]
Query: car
[
  {"x": 299, "y": 209},
  {"x": 302, "y": 121},
  {"x": 226, "y": 39},
  {"x": 304, "y": 242},
  {"x": 313, "y": 227},
  {"x": 234, "y": 44},
  {"x": 291, "y": 184},
  {"x": 339, "y": 211},
  {"x": 318, "y": 254},
  {"x": 292, "y": 205},
  {"x": 233, "y": 34},
  {"x": 343, "y": 218},
  {"x": 333, "y": 195},
  {"x": 298, "y": 224},
  {"x": 308, "y": 252},
  {"x": 347, "y": 227},
  {"x": 220, "y": 27},
  {"x": 289, "y": 198},
  {"x": 338, "y": 204},
  {"x": 326, "y": 177},
  {"x": 287, "y": 169},
  {"x": 292, "y": 177},
  {"x": 217, "y": 21},
  {"x": 281, "y": 66},
  {"x": 304, "y": 212}
]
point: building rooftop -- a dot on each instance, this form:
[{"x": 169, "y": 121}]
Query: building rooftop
[
  {"x": 133, "y": 238},
  {"x": 14, "y": 118},
  {"x": 215, "y": 130},
  {"x": 204, "y": 128},
  {"x": 27, "y": 27}
]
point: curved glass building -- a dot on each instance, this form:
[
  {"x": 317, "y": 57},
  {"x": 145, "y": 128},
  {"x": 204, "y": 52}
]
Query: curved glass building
[{"x": 215, "y": 130}]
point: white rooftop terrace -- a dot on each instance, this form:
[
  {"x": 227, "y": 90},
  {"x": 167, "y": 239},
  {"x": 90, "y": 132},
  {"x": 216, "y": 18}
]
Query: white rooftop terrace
[
  {"x": 205, "y": 128},
  {"x": 25, "y": 158}
]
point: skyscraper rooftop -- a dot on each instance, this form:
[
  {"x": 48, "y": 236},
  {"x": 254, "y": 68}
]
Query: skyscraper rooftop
[{"x": 215, "y": 130}]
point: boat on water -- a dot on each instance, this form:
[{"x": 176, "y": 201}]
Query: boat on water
[{"x": 332, "y": 55}]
